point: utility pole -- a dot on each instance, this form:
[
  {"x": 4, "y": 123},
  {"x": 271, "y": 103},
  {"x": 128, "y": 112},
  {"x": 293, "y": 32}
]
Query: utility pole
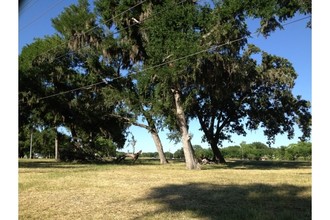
[
  {"x": 133, "y": 144},
  {"x": 56, "y": 145},
  {"x": 31, "y": 142},
  {"x": 56, "y": 148},
  {"x": 242, "y": 152},
  {"x": 242, "y": 145}
]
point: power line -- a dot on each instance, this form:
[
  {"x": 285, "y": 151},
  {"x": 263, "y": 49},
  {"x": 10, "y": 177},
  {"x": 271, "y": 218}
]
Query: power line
[
  {"x": 72, "y": 90},
  {"x": 23, "y": 4},
  {"x": 27, "y": 6},
  {"x": 120, "y": 14},
  {"x": 93, "y": 29},
  {"x": 45, "y": 12},
  {"x": 214, "y": 47},
  {"x": 117, "y": 32},
  {"x": 151, "y": 16},
  {"x": 297, "y": 20},
  {"x": 171, "y": 61},
  {"x": 101, "y": 82}
]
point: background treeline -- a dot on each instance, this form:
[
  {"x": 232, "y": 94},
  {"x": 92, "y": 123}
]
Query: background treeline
[
  {"x": 252, "y": 151},
  {"x": 43, "y": 145}
]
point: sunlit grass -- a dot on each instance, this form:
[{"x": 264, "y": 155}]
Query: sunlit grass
[{"x": 147, "y": 190}]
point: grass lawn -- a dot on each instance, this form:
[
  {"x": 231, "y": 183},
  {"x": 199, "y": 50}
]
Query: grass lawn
[{"x": 146, "y": 190}]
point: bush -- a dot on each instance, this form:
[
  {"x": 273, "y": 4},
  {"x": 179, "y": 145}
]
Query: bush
[{"x": 77, "y": 152}]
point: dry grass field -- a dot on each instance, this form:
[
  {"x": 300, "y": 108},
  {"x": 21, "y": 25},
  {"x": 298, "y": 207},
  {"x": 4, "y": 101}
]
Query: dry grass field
[{"x": 146, "y": 190}]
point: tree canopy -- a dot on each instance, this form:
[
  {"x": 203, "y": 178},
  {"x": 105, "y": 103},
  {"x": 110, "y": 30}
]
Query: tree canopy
[{"x": 168, "y": 61}]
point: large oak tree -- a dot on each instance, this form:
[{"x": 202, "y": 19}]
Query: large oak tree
[
  {"x": 197, "y": 61},
  {"x": 183, "y": 60}
]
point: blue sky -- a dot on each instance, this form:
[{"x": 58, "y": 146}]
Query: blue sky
[{"x": 293, "y": 43}]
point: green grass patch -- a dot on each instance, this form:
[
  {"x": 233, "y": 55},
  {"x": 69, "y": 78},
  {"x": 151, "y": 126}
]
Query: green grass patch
[{"x": 147, "y": 190}]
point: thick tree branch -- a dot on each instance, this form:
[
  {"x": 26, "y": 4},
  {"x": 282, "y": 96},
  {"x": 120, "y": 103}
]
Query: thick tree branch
[{"x": 130, "y": 121}]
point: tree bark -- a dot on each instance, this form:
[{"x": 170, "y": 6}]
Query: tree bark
[
  {"x": 212, "y": 138},
  {"x": 31, "y": 143},
  {"x": 56, "y": 149},
  {"x": 152, "y": 128},
  {"x": 133, "y": 156},
  {"x": 158, "y": 143},
  {"x": 57, "y": 158},
  {"x": 217, "y": 155},
  {"x": 73, "y": 132},
  {"x": 188, "y": 151},
  {"x": 159, "y": 147}
]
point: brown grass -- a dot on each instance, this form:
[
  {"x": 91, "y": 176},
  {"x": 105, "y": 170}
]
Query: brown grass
[{"x": 146, "y": 190}]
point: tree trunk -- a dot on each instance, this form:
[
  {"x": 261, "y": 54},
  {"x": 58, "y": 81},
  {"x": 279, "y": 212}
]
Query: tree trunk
[
  {"x": 159, "y": 147},
  {"x": 56, "y": 148},
  {"x": 133, "y": 156},
  {"x": 152, "y": 128},
  {"x": 187, "y": 148},
  {"x": 31, "y": 143},
  {"x": 217, "y": 156},
  {"x": 155, "y": 137},
  {"x": 73, "y": 132}
]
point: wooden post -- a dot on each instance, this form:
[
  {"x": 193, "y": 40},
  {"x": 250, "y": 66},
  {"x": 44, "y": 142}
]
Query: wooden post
[
  {"x": 56, "y": 148},
  {"x": 31, "y": 137}
]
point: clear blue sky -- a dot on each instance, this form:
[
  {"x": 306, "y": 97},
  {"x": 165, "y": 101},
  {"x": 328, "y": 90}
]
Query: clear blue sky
[{"x": 293, "y": 43}]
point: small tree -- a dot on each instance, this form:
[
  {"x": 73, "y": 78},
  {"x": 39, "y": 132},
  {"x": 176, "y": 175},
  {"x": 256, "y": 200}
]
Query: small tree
[{"x": 179, "y": 153}]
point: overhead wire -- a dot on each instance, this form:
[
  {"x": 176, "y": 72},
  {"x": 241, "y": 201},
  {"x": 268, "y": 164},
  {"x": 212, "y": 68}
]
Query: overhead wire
[
  {"x": 129, "y": 9},
  {"x": 214, "y": 47},
  {"x": 37, "y": 18},
  {"x": 89, "y": 30},
  {"x": 132, "y": 25},
  {"x": 103, "y": 80},
  {"x": 297, "y": 20},
  {"x": 143, "y": 20},
  {"x": 171, "y": 61},
  {"x": 72, "y": 90},
  {"x": 26, "y": 6}
]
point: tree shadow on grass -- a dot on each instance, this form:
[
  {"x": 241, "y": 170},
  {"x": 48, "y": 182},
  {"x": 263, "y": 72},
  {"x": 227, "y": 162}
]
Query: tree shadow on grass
[
  {"x": 262, "y": 165},
  {"x": 51, "y": 163},
  {"x": 234, "y": 164},
  {"x": 230, "y": 202},
  {"x": 39, "y": 163}
]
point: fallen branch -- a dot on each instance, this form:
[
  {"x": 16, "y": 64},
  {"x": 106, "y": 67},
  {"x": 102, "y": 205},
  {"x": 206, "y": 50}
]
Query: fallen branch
[{"x": 133, "y": 156}]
